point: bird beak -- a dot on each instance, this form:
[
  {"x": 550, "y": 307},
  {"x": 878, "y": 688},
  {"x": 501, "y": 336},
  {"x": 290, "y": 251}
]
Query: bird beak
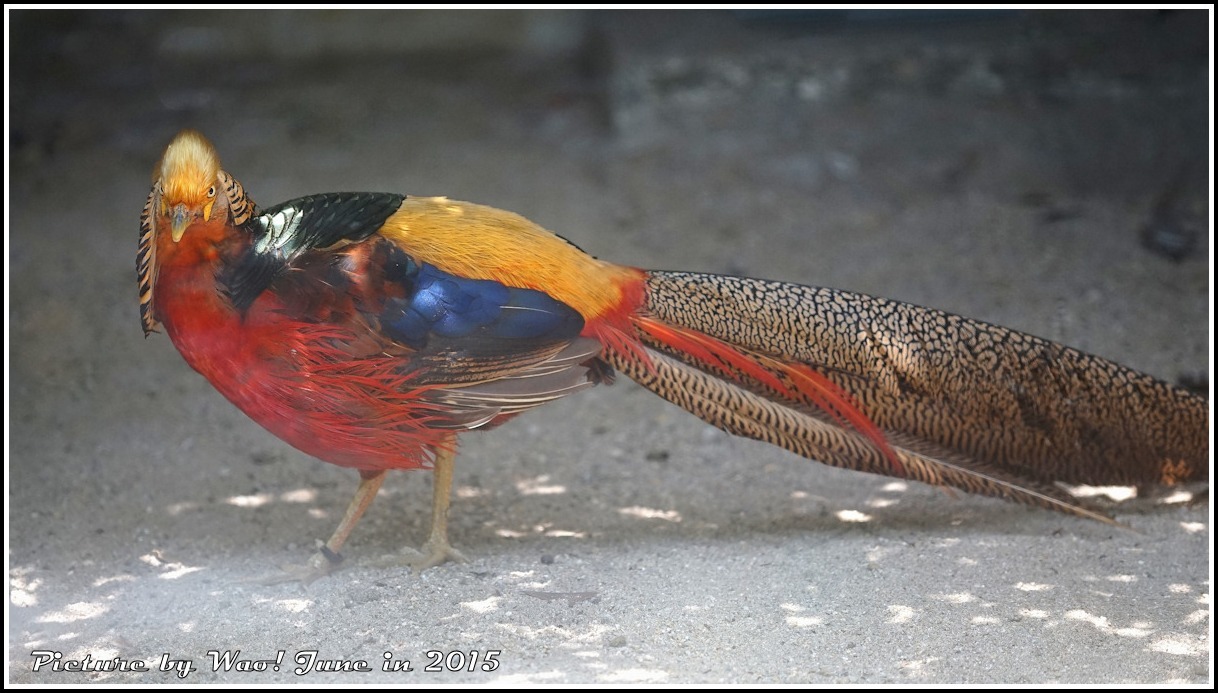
[{"x": 178, "y": 221}]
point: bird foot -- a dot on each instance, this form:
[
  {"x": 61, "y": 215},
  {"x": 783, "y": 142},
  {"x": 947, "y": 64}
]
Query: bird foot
[
  {"x": 434, "y": 553},
  {"x": 320, "y": 565}
]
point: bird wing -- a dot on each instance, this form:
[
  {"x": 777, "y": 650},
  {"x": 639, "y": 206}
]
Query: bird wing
[{"x": 475, "y": 348}]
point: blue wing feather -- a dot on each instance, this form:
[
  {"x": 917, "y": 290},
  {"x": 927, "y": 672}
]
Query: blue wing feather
[
  {"x": 439, "y": 304},
  {"x": 320, "y": 260}
]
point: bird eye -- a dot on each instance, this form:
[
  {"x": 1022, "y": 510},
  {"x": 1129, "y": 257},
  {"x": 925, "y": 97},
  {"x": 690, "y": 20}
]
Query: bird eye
[{"x": 211, "y": 192}]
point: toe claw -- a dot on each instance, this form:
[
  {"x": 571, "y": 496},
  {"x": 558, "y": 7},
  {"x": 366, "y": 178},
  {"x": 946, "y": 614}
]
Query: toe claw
[
  {"x": 435, "y": 553},
  {"x": 320, "y": 565}
]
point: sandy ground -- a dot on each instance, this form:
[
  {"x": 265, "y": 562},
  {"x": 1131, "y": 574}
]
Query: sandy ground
[{"x": 999, "y": 169}]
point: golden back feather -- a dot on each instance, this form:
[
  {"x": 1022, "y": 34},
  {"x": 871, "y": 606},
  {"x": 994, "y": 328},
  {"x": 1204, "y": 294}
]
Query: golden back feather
[{"x": 482, "y": 242}]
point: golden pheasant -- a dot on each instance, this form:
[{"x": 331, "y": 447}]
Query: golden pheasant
[{"x": 369, "y": 329}]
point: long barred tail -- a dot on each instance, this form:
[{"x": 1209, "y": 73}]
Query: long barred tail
[{"x": 912, "y": 392}]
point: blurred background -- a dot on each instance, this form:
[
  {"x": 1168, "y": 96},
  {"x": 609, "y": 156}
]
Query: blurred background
[{"x": 1045, "y": 171}]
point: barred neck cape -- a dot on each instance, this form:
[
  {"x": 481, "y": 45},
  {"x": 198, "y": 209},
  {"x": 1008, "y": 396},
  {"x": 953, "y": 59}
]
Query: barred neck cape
[{"x": 368, "y": 329}]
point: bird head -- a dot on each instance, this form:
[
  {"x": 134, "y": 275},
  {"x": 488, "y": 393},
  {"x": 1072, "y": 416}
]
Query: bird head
[
  {"x": 189, "y": 176},
  {"x": 188, "y": 187}
]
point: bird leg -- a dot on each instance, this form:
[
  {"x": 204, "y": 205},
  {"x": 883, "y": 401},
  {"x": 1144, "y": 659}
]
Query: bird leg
[
  {"x": 437, "y": 550},
  {"x": 327, "y": 558}
]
